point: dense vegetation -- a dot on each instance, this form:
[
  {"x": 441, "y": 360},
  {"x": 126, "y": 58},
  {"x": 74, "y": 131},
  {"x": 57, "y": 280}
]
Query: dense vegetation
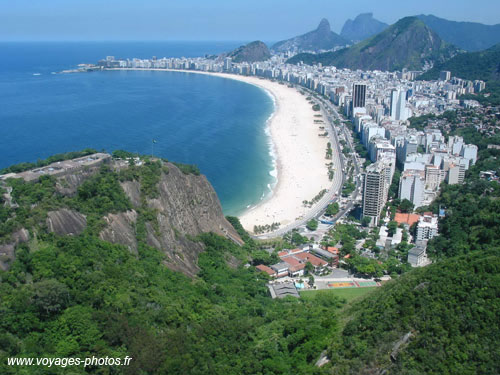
[
  {"x": 481, "y": 65},
  {"x": 82, "y": 297},
  {"x": 473, "y": 212},
  {"x": 78, "y": 296},
  {"x": 449, "y": 308}
]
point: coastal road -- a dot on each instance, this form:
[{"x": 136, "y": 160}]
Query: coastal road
[
  {"x": 331, "y": 115},
  {"x": 354, "y": 157},
  {"x": 333, "y": 191}
]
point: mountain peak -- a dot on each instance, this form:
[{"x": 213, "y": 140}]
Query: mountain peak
[
  {"x": 323, "y": 38},
  {"x": 251, "y": 52},
  {"x": 470, "y": 36},
  {"x": 409, "y": 44},
  {"x": 363, "y": 16},
  {"x": 362, "y": 27},
  {"x": 324, "y": 26}
]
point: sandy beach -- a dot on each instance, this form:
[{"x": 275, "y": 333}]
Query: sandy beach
[
  {"x": 302, "y": 172},
  {"x": 301, "y": 165}
]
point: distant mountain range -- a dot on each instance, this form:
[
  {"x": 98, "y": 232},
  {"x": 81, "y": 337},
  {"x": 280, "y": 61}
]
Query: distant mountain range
[
  {"x": 251, "y": 52},
  {"x": 483, "y": 65},
  {"x": 470, "y": 36},
  {"x": 408, "y": 43},
  {"x": 363, "y": 27},
  {"x": 323, "y": 38}
]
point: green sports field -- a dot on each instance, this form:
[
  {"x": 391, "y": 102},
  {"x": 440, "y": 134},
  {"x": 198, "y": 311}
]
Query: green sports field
[{"x": 348, "y": 293}]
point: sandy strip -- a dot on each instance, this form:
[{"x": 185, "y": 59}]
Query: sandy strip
[{"x": 302, "y": 172}]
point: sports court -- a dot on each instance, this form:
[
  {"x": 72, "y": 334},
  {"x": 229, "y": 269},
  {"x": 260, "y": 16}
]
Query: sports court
[
  {"x": 353, "y": 284},
  {"x": 342, "y": 285}
]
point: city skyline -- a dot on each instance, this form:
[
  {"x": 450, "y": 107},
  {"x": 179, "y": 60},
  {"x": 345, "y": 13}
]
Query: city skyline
[{"x": 90, "y": 20}]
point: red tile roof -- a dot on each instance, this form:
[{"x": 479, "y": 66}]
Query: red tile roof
[
  {"x": 296, "y": 268},
  {"x": 291, "y": 260},
  {"x": 266, "y": 269},
  {"x": 314, "y": 260},
  {"x": 285, "y": 253},
  {"x": 332, "y": 250},
  {"x": 406, "y": 218}
]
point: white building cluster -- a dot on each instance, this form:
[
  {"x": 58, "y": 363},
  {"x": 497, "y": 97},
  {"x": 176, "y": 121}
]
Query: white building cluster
[{"x": 380, "y": 104}]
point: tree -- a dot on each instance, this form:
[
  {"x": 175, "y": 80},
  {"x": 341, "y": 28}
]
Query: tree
[
  {"x": 311, "y": 280},
  {"x": 332, "y": 209},
  {"x": 406, "y": 206},
  {"x": 366, "y": 221},
  {"x": 312, "y": 224},
  {"x": 309, "y": 268},
  {"x": 50, "y": 296},
  {"x": 391, "y": 228},
  {"x": 297, "y": 239}
]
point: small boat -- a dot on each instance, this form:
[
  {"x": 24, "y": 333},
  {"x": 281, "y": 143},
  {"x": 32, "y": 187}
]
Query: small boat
[{"x": 37, "y": 74}]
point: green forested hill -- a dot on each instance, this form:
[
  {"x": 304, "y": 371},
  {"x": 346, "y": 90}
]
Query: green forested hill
[
  {"x": 83, "y": 297},
  {"x": 483, "y": 65},
  {"x": 79, "y": 296},
  {"x": 408, "y": 43},
  {"x": 471, "y": 36},
  {"x": 450, "y": 311}
]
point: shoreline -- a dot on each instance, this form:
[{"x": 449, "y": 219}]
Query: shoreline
[{"x": 296, "y": 151}]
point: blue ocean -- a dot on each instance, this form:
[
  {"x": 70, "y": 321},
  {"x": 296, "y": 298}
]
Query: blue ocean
[{"x": 216, "y": 123}]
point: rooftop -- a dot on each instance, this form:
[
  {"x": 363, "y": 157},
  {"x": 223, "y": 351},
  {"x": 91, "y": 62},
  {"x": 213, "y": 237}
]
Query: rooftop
[{"x": 283, "y": 290}]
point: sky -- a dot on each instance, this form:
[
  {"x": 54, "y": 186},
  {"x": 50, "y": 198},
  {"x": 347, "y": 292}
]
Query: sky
[{"x": 267, "y": 20}]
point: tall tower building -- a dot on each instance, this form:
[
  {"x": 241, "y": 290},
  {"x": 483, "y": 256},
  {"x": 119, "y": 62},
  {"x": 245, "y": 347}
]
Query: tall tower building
[
  {"x": 394, "y": 103},
  {"x": 227, "y": 63},
  {"x": 445, "y": 75},
  {"x": 358, "y": 95},
  {"x": 398, "y": 105},
  {"x": 374, "y": 191}
]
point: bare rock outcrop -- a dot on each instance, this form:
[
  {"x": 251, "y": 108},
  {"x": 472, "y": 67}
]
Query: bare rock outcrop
[
  {"x": 120, "y": 229},
  {"x": 66, "y": 222},
  {"x": 186, "y": 206},
  {"x": 133, "y": 191},
  {"x": 7, "y": 250},
  {"x": 68, "y": 184}
]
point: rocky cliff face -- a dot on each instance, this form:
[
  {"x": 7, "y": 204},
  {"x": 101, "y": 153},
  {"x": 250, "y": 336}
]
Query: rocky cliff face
[
  {"x": 184, "y": 205},
  {"x": 66, "y": 222}
]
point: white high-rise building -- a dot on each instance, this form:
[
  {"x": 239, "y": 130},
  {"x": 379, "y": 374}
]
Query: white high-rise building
[
  {"x": 427, "y": 227},
  {"x": 374, "y": 191},
  {"x": 228, "y": 62},
  {"x": 433, "y": 177},
  {"x": 469, "y": 152},
  {"x": 411, "y": 186},
  {"x": 398, "y": 105},
  {"x": 455, "y": 174}
]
